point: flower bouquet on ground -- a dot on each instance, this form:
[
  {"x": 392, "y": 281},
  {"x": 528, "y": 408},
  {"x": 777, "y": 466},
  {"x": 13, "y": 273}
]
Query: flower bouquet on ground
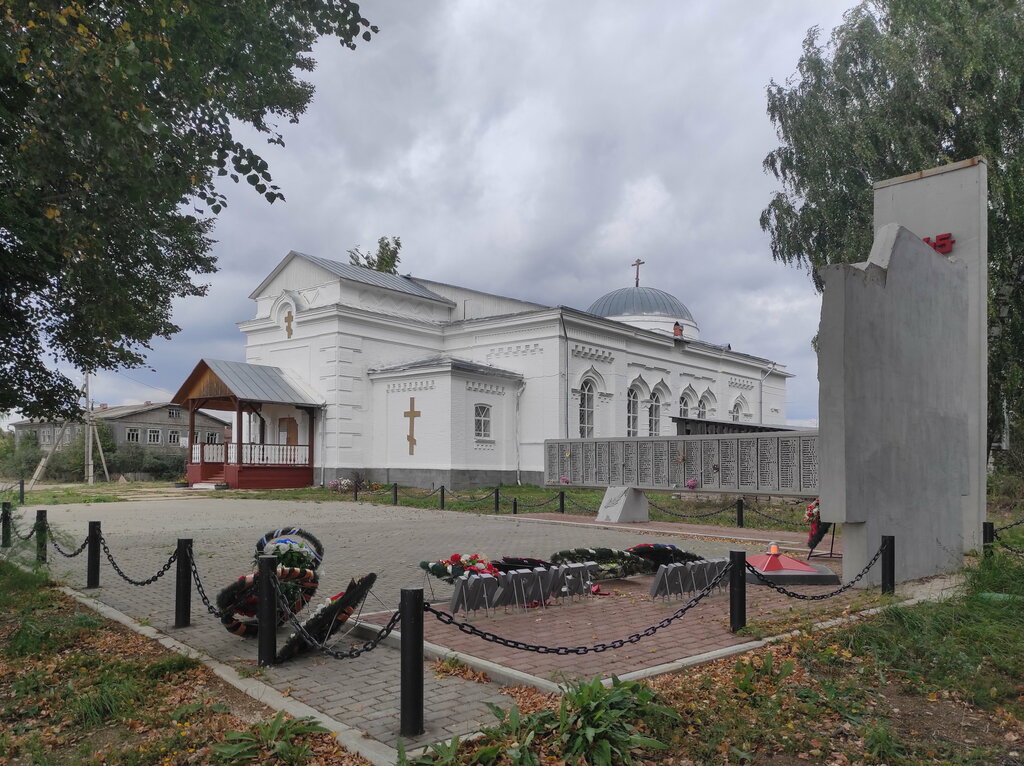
[
  {"x": 819, "y": 528},
  {"x": 328, "y": 618},
  {"x": 612, "y": 564},
  {"x": 657, "y": 554},
  {"x": 452, "y": 568}
]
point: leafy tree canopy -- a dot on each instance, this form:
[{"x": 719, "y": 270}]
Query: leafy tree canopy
[
  {"x": 904, "y": 85},
  {"x": 385, "y": 259},
  {"x": 115, "y": 121}
]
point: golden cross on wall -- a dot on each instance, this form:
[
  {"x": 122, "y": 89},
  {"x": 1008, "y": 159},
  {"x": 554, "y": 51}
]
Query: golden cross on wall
[
  {"x": 412, "y": 414},
  {"x": 288, "y": 322},
  {"x": 638, "y": 263}
]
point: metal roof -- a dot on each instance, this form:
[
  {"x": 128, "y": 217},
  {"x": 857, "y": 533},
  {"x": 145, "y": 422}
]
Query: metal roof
[
  {"x": 262, "y": 383},
  {"x": 444, "y": 360},
  {"x": 376, "y": 278},
  {"x": 634, "y": 301}
]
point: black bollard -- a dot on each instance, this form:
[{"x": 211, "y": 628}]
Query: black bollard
[
  {"x": 888, "y": 564},
  {"x": 394, "y": 493},
  {"x": 21, "y": 491},
  {"x": 41, "y": 536},
  {"x": 183, "y": 585},
  {"x": 411, "y": 608},
  {"x": 442, "y": 497},
  {"x": 515, "y": 505},
  {"x": 739, "y": 512},
  {"x": 737, "y": 590},
  {"x": 355, "y": 492},
  {"x": 497, "y": 499},
  {"x": 92, "y": 556},
  {"x": 5, "y": 525},
  {"x": 561, "y": 501},
  {"x": 988, "y": 537},
  {"x": 266, "y": 610}
]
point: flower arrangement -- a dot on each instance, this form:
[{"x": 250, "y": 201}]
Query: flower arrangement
[
  {"x": 662, "y": 553},
  {"x": 340, "y": 485},
  {"x": 328, "y": 618},
  {"x": 452, "y": 568},
  {"x": 818, "y": 528},
  {"x": 691, "y": 484},
  {"x": 612, "y": 564},
  {"x": 813, "y": 513},
  {"x": 563, "y": 479}
]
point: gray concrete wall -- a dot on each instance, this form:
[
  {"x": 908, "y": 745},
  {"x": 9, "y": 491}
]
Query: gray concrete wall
[
  {"x": 429, "y": 479},
  {"x": 892, "y": 367}
]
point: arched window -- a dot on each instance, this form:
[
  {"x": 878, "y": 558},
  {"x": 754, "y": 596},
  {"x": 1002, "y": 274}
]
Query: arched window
[
  {"x": 702, "y": 408},
  {"x": 685, "y": 405},
  {"x": 482, "y": 421},
  {"x": 654, "y": 416},
  {"x": 737, "y": 410},
  {"x": 587, "y": 409},
  {"x": 632, "y": 412}
]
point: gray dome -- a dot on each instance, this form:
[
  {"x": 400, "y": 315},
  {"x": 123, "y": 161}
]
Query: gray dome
[{"x": 637, "y": 301}]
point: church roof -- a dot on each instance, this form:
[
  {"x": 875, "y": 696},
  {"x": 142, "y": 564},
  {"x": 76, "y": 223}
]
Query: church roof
[
  {"x": 444, "y": 360},
  {"x": 359, "y": 274},
  {"x": 636, "y": 301},
  {"x": 216, "y": 378}
]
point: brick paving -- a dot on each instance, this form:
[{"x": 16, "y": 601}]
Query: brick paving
[{"x": 359, "y": 538}]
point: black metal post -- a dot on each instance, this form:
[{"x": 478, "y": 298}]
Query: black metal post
[
  {"x": 561, "y": 501},
  {"x": 515, "y": 505},
  {"x": 888, "y": 564},
  {"x": 737, "y": 590},
  {"x": 394, "y": 493},
  {"x": 411, "y": 607},
  {"x": 442, "y": 497},
  {"x": 266, "y": 610},
  {"x": 92, "y": 556},
  {"x": 41, "y": 536},
  {"x": 355, "y": 492},
  {"x": 988, "y": 537},
  {"x": 183, "y": 584},
  {"x": 21, "y": 491},
  {"x": 5, "y": 525},
  {"x": 739, "y": 512},
  {"x": 497, "y": 499}
]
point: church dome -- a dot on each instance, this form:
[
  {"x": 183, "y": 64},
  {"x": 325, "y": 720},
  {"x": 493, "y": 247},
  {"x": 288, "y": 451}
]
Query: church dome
[{"x": 646, "y": 307}]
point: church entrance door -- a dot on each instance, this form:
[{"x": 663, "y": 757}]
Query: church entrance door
[{"x": 287, "y": 431}]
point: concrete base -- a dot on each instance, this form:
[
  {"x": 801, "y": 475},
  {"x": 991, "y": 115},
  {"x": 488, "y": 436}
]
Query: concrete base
[{"x": 623, "y": 504}]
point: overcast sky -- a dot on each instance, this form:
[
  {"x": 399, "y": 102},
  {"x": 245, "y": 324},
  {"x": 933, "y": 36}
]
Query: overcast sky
[{"x": 533, "y": 150}]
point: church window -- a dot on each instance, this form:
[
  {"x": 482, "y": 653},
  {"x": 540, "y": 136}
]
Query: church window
[
  {"x": 684, "y": 407},
  {"x": 131, "y": 435},
  {"x": 737, "y": 410},
  {"x": 632, "y": 413},
  {"x": 587, "y": 409},
  {"x": 153, "y": 436},
  {"x": 482, "y": 421},
  {"x": 702, "y": 408},
  {"x": 654, "y": 416}
]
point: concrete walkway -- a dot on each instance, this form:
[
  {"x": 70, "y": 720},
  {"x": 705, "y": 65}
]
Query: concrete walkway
[{"x": 362, "y": 695}]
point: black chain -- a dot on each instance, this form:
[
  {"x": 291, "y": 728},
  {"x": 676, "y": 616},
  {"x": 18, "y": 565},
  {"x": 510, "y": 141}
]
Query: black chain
[
  {"x": 820, "y": 596},
  {"x": 351, "y": 654},
  {"x": 538, "y": 505},
  {"x": 580, "y": 505},
  {"x": 775, "y": 519},
  {"x": 64, "y": 553},
  {"x": 1010, "y": 526},
  {"x": 563, "y": 651},
  {"x": 126, "y": 578},
  {"x": 454, "y": 496},
  {"x": 199, "y": 587},
  {"x": 416, "y": 496},
  {"x": 1006, "y": 545},
  {"x": 20, "y": 536},
  {"x": 689, "y": 515}
]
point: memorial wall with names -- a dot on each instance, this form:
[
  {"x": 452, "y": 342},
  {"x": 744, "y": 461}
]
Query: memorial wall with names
[{"x": 771, "y": 463}]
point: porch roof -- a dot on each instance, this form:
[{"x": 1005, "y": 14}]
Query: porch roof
[{"x": 216, "y": 379}]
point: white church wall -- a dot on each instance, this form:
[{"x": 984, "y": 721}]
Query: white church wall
[
  {"x": 473, "y": 304},
  {"x": 428, "y": 398},
  {"x": 495, "y": 450}
]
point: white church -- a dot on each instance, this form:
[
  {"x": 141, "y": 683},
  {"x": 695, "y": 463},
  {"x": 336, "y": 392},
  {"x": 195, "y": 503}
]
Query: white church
[{"x": 406, "y": 380}]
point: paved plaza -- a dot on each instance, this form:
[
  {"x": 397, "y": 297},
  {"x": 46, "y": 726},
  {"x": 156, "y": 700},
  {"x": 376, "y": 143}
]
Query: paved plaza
[{"x": 363, "y": 693}]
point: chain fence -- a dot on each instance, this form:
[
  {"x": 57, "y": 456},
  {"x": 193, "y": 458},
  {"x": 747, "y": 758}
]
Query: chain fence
[
  {"x": 452, "y": 495},
  {"x": 148, "y": 581},
  {"x": 549, "y": 501},
  {"x": 730, "y": 507},
  {"x": 472, "y": 630},
  {"x": 1010, "y": 526},
  {"x": 570, "y": 501},
  {"x": 777, "y": 520},
  {"x": 61, "y": 551},
  {"x": 350, "y": 654},
  {"x": 1005, "y": 544},
  {"x": 29, "y": 536},
  {"x": 199, "y": 587},
  {"x": 417, "y": 495},
  {"x": 820, "y": 596}
]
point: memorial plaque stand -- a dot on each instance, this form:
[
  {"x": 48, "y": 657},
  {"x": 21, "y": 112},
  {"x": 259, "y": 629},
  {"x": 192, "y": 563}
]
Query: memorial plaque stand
[{"x": 622, "y": 504}]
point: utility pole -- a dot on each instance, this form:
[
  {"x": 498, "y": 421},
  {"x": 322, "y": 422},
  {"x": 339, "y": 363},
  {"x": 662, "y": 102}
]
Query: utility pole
[{"x": 89, "y": 429}]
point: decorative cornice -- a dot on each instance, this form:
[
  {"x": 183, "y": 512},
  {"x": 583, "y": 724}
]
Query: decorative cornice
[
  {"x": 410, "y": 385},
  {"x": 744, "y": 383},
  {"x": 485, "y": 388},
  {"x": 517, "y": 349},
  {"x": 592, "y": 352}
]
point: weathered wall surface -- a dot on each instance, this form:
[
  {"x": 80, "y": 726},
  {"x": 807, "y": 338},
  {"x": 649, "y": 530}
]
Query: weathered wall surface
[{"x": 893, "y": 418}]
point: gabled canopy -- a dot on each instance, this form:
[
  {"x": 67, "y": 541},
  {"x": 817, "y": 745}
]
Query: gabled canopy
[{"x": 221, "y": 385}]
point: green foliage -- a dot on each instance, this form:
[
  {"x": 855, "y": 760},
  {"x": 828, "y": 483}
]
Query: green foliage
[
  {"x": 901, "y": 86},
  {"x": 23, "y": 459},
  {"x": 385, "y": 259},
  {"x": 118, "y": 119},
  {"x": 752, "y": 672},
  {"x": 164, "y": 465},
  {"x": 129, "y": 459},
  {"x": 112, "y": 695},
  {"x": 274, "y": 737}
]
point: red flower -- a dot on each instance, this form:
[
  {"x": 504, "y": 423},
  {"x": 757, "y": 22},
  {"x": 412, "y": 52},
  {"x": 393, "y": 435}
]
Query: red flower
[{"x": 456, "y": 558}]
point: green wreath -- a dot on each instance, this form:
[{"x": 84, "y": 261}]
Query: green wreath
[
  {"x": 328, "y": 617},
  {"x": 612, "y": 564}
]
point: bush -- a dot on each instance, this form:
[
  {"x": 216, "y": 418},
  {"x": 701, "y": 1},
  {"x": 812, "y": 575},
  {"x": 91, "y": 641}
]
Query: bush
[{"x": 164, "y": 466}]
